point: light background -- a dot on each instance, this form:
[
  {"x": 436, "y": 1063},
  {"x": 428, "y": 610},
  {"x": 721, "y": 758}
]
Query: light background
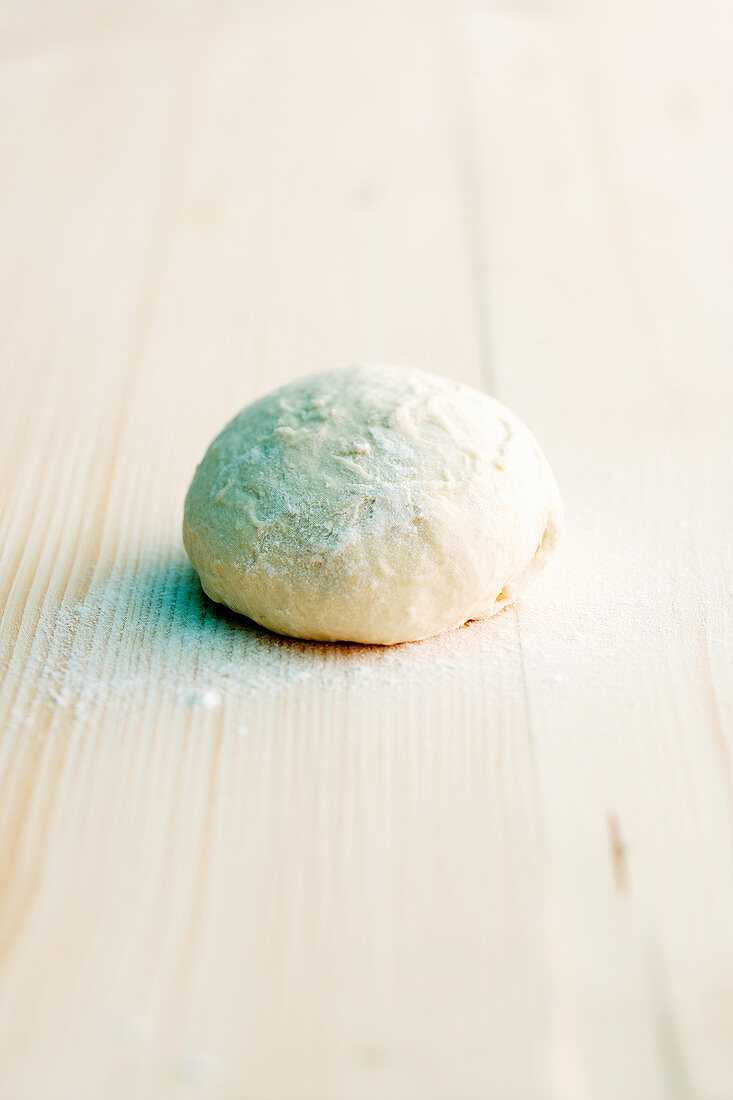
[{"x": 496, "y": 865}]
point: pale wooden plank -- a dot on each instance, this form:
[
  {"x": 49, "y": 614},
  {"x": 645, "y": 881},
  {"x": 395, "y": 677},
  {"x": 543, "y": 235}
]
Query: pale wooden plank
[
  {"x": 193, "y": 876},
  {"x": 605, "y": 153},
  {"x": 246, "y": 867}
]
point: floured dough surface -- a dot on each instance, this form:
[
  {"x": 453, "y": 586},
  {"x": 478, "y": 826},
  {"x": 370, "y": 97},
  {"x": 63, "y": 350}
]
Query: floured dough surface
[{"x": 371, "y": 504}]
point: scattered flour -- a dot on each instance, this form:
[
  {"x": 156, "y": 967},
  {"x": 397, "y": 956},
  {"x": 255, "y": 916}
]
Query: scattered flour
[
  {"x": 206, "y": 698},
  {"x": 603, "y": 615},
  {"x": 148, "y": 628}
]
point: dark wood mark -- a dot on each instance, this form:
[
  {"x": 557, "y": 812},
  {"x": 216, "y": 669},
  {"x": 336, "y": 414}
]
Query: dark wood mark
[{"x": 618, "y": 855}]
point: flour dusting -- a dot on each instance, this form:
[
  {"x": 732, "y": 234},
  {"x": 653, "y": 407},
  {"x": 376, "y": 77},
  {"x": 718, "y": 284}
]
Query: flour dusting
[
  {"x": 144, "y": 630},
  {"x": 148, "y": 628}
]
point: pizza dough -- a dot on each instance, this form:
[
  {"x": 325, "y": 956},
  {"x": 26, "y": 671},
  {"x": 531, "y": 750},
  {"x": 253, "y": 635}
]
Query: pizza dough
[{"x": 371, "y": 504}]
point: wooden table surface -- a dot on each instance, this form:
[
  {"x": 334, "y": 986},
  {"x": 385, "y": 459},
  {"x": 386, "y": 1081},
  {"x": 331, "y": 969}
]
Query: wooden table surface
[{"x": 493, "y": 866}]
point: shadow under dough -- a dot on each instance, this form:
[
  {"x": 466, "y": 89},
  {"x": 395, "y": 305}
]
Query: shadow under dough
[{"x": 166, "y": 592}]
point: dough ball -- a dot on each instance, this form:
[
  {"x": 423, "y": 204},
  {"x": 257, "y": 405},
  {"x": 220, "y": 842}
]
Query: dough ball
[{"x": 371, "y": 504}]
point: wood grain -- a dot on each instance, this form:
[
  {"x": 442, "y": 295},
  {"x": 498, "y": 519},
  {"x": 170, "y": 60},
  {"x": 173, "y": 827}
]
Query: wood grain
[{"x": 496, "y": 865}]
